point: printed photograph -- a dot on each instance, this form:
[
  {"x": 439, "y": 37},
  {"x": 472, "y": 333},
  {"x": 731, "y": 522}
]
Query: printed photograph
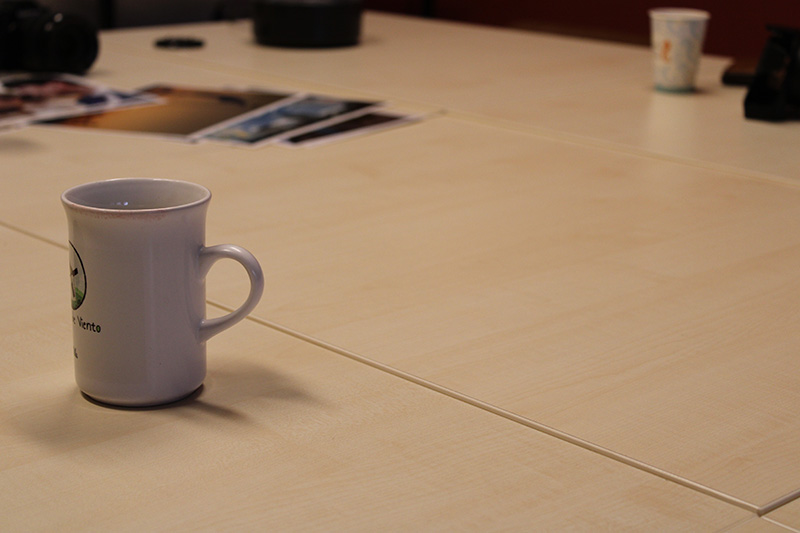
[
  {"x": 181, "y": 111},
  {"x": 360, "y": 125},
  {"x": 294, "y": 117}
]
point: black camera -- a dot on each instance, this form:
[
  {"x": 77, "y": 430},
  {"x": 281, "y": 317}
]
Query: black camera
[
  {"x": 37, "y": 39},
  {"x": 774, "y": 93}
]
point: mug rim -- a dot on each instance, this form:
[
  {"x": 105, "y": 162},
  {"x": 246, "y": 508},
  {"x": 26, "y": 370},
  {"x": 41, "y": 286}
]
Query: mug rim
[{"x": 69, "y": 199}]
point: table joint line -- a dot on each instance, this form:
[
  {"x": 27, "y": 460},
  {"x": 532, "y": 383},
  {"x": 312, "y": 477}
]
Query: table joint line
[
  {"x": 21, "y": 231},
  {"x": 779, "y": 502},
  {"x": 508, "y": 415}
]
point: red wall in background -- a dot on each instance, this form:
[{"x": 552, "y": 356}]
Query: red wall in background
[{"x": 736, "y": 28}]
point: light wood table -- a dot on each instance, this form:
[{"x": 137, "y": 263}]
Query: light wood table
[
  {"x": 579, "y": 90},
  {"x": 477, "y": 321},
  {"x": 285, "y": 435}
]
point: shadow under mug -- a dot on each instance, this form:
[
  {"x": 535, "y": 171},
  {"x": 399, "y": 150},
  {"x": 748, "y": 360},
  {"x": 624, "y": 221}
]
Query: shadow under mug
[{"x": 138, "y": 263}]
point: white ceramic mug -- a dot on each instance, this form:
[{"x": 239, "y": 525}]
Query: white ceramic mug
[{"x": 137, "y": 265}]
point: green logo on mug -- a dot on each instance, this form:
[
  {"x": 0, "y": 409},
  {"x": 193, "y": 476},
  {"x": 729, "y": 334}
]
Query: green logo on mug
[{"x": 77, "y": 277}]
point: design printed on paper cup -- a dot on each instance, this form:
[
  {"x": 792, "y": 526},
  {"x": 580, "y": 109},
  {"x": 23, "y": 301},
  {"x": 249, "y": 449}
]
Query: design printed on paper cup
[
  {"x": 665, "y": 50},
  {"x": 77, "y": 277}
]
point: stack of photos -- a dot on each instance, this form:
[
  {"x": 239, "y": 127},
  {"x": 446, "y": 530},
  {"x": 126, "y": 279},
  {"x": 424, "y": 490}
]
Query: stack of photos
[
  {"x": 31, "y": 98},
  {"x": 250, "y": 118}
]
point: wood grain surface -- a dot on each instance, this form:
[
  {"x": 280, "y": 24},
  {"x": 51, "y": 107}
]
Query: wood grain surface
[
  {"x": 560, "y": 298},
  {"x": 284, "y": 435}
]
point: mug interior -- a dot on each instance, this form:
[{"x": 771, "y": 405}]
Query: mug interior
[{"x": 136, "y": 194}]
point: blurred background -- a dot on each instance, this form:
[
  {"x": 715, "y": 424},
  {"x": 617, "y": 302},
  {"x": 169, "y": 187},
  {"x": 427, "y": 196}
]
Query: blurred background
[{"x": 737, "y": 27}]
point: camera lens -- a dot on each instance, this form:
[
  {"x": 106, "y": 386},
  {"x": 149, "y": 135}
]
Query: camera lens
[{"x": 58, "y": 42}]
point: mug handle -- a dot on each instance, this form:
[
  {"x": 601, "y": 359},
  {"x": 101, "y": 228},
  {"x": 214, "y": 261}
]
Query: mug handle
[{"x": 210, "y": 255}]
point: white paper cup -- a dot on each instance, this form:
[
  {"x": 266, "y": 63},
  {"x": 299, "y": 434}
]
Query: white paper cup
[{"x": 677, "y": 36}]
